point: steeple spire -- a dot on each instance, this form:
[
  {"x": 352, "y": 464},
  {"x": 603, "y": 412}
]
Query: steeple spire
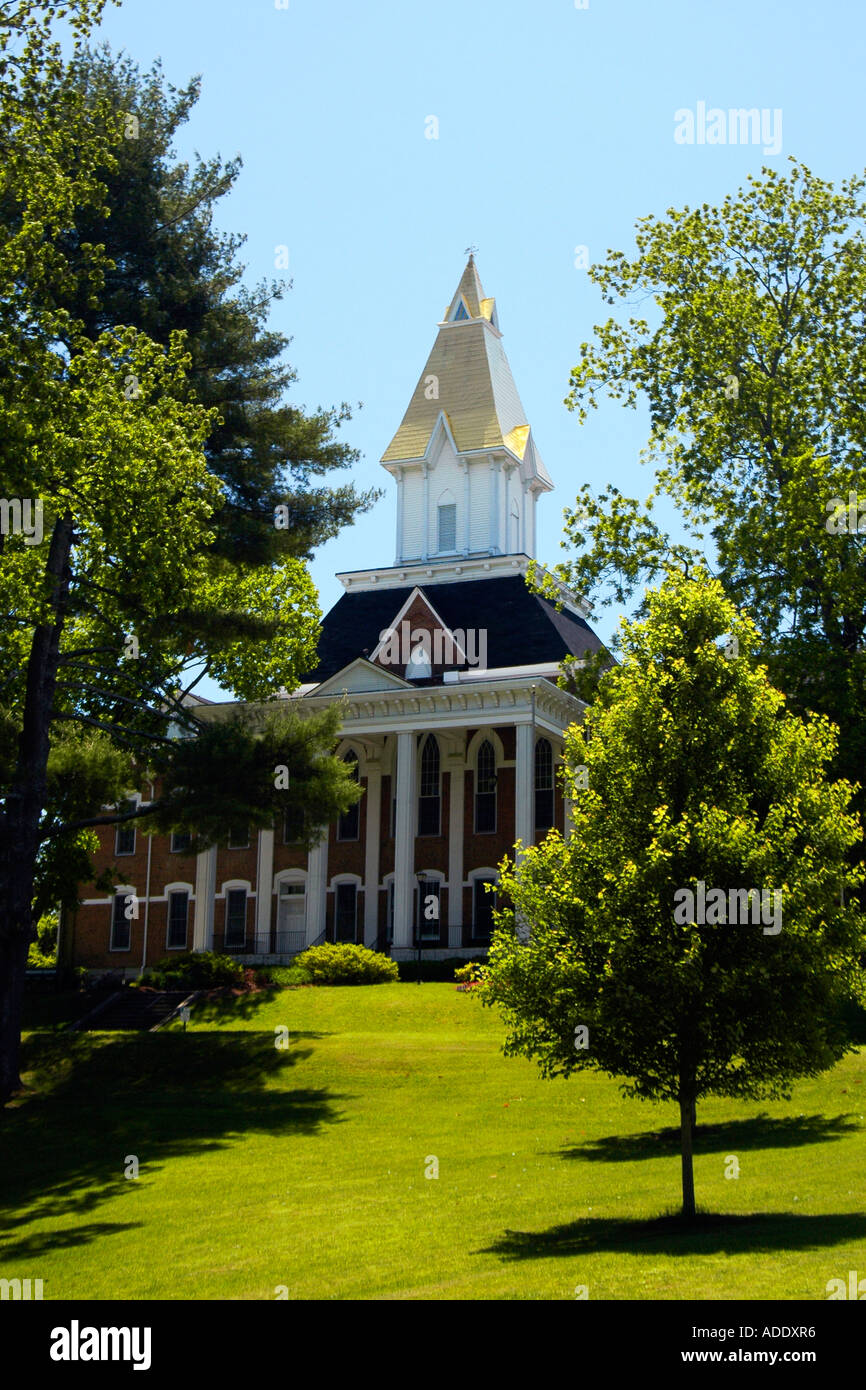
[{"x": 464, "y": 452}]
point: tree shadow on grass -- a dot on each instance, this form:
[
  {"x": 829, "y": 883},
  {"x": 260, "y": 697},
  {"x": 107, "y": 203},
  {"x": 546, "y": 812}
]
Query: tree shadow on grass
[
  {"x": 734, "y": 1136},
  {"x": 224, "y": 1008},
  {"x": 708, "y": 1235},
  {"x": 158, "y": 1096}
]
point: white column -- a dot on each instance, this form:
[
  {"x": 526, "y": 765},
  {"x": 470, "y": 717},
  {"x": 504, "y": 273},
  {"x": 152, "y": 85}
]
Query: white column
[
  {"x": 455, "y": 856},
  {"x": 205, "y": 888},
  {"x": 524, "y": 798},
  {"x": 264, "y": 887},
  {"x": 526, "y": 502},
  {"x": 495, "y": 470},
  {"x": 467, "y": 523},
  {"x": 400, "y": 499},
  {"x": 371, "y": 853},
  {"x": 567, "y": 817},
  {"x": 524, "y": 793},
  {"x": 317, "y": 883},
  {"x": 404, "y": 846},
  {"x": 425, "y": 538}
]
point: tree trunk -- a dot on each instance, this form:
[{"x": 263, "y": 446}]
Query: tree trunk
[
  {"x": 687, "y": 1133},
  {"x": 13, "y": 963},
  {"x": 22, "y": 812}
]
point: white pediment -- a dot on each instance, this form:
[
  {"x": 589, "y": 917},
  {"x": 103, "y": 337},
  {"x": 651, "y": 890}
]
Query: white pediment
[{"x": 358, "y": 677}]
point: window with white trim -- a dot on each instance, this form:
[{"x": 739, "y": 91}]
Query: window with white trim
[
  {"x": 124, "y": 839},
  {"x": 430, "y": 788},
  {"x": 178, "y": 921},
  {"x": 483, "y": 906},
  {"x": 447, "y": 526},
  {"x": 346, "y": 911},
  {"x": 121, "y": 925},
  {"x": 543, "y": 785},
  {"x": 485, "y": 789},
  {"x": 236, "y": 917},
  {"x": 428, "y": 904}
]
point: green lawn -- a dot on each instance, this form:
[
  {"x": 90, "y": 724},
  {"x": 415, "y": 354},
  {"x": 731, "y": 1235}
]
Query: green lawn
[{"x": 305, "y": 1168}]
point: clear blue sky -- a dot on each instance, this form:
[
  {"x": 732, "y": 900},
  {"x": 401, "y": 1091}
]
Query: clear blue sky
[{"x": 556, "y": 129}]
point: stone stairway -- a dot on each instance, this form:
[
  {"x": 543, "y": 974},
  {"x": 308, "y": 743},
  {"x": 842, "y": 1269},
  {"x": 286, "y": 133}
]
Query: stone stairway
[{"x": 136, "y": 1008}]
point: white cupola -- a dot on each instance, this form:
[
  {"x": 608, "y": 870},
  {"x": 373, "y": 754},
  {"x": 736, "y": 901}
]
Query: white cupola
[{"x": 468, "y": 473}]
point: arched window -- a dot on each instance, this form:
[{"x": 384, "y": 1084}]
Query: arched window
[
  {"x": 349, "y": 822},
  {"x": 485, "y": 789},
  {"x": 429, "y": 792},
  {"x": 346, "y": 911},
  {"x": 543, "y": 785}
]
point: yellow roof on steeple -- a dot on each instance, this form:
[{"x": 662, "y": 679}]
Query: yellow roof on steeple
[{"x": 467, "y": 377}]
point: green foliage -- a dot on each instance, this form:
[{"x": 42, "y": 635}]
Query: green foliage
[
  {"x": 232, "y": 771},
  {"x": 696, "y": 773},
  {"x": 344, "y": 963},
  {"x": 43, "y": 950},
  {"x": 283, "y": 975},
  {"x": 472, "y": 973},
  {"x": 143, "y": 404},
  {"x": 195, "y": 970},
  {"x": 752, "y": 364}
]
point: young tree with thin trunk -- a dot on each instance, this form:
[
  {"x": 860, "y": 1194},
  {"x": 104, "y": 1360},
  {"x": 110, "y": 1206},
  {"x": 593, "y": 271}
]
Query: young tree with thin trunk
[{"x": 696, "y": 933}]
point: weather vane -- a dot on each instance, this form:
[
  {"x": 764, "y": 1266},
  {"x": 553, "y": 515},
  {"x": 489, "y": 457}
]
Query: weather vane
[{"x": 470, "y": 250}]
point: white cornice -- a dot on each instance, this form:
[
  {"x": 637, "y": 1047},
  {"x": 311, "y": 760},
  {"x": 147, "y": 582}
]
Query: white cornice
[{"x": 450, "y": 571}]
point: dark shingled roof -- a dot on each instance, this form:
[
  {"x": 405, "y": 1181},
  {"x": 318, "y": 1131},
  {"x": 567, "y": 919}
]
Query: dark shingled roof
[{"x": 522, "y": 629}]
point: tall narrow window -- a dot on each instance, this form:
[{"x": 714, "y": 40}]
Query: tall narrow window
[
  {"x": 239, "y": 836},
  {"x": 121, "y": 927},
  {"x": 236, "y": 919},
  {"x": 429, "y": 799},
  {"x": 485, "y": 789},
  {"x": 448, "y": 526},
  {"x": 349, "y": 822},
  {"x": 427, "y": 913},
  {"x": 483, "y": 905},
  {"x": 180, "y": 841},
  {"x": 543, "y": 785},
  {"x": 124, "y": 839},
  {"x": 178, "y": 917},
  {"x": 346, "y": 911}
]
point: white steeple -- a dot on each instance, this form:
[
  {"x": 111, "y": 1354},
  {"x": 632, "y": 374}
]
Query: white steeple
[{"x": 468, "y": 473}]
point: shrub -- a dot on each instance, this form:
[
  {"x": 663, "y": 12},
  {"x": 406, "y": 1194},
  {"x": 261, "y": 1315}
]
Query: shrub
[
  {"x": 343, "y": 963},
  {"x": 288, "y": 975},
  {"x": 196, "y": 970}
]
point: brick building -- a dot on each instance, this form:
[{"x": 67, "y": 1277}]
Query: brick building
[{"x": 453, "y": 721}]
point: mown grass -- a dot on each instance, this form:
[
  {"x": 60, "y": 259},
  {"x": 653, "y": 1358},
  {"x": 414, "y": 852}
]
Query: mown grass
[{"x": 304, "y": 1168}]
